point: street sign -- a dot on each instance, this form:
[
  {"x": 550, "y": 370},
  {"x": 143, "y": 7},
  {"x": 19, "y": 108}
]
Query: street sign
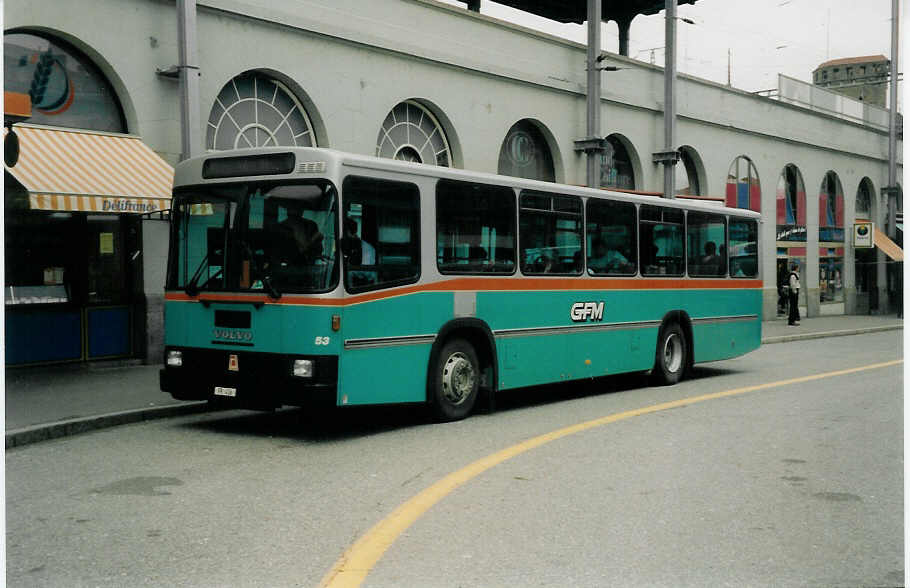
[{"x": 863, "y": 235}]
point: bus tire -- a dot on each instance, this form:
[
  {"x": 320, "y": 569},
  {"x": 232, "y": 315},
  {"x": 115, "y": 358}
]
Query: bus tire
[
  {"x": 671, "y": 357},
  {"x": 455, "y": 380}
]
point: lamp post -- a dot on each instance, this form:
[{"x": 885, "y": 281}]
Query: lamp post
[
  {"x": 188, "y": 70},
  {"x": 669, "y": 156}
]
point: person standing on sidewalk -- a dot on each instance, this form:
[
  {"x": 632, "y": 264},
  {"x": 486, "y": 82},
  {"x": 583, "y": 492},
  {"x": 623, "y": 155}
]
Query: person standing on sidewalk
[{"x": 793, "y": 284}]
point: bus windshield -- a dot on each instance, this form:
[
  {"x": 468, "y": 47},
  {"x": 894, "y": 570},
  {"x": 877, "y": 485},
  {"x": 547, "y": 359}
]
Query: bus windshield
[{"x": 263, "y": 237}]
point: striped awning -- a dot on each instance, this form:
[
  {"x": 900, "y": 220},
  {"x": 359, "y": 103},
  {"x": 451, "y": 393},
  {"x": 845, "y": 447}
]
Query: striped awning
[
  {"x": 86, "y": 171},
  {"x": 889, "y": 247}
]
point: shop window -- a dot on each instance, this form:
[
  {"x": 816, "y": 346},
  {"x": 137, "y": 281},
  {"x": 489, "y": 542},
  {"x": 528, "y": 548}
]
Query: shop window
[
  {"x": 410, "y": 132},
  {"x": 475, "y": 228},
  {"x": 791, "y": 205},
  {"x": 831, "y": 209},
  {"x": 255, "y": 110},
  {"x": 743, "y": 186},
  {"x": 384, "y": 249},
  {"x": 661, "y": 241},
  {"x": 707, "y": 244},
  {"x": 526, "y": 154},
  {"x": 616, "y": 169},
  {"x": 611, "y": 231},
  {"x": 550, "y": 233},
  {"x": 65, "y": 87}
]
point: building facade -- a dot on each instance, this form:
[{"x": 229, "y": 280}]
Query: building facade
[
  {"x": 862, "y": 78},
  {"x": 425, "y": 81}
]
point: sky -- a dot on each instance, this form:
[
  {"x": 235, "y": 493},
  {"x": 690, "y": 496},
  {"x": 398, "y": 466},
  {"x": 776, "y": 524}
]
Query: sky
[{"x": 765, "y": 37}]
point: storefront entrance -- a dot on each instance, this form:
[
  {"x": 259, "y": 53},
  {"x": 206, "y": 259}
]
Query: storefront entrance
[
  {"x": 73, "y": 242},
  {"x": 72, "y": 289}
]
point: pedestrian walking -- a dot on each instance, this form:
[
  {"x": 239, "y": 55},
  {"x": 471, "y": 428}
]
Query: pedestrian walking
[{"x": 793, "y": 284}]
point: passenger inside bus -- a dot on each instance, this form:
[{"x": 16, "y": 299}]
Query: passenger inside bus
[{"x": 603, "y": 260}]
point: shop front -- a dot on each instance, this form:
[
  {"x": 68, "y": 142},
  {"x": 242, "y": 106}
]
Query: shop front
[{"x": 74, "y": 203}]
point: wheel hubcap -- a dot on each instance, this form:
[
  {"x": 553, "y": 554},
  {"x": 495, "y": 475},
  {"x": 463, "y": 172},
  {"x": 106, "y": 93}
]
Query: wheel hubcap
[
  {"x": 673, "y": 353},
  {"x": 457, "y": 378}
]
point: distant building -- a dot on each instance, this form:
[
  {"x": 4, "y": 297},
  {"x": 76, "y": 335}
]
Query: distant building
[{"x": 861, "y": 78}]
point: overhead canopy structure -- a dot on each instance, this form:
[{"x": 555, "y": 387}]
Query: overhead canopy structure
[{"x": 575, "y": 11}]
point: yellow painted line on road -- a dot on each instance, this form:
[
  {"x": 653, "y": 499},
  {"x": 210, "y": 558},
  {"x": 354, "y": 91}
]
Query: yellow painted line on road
[{"x": 352, "y": 567}]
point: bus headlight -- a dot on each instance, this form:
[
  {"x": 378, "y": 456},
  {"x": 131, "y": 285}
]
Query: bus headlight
[
  {"x": 174, "y": 358},
  {"x": 303, "y": 368}
]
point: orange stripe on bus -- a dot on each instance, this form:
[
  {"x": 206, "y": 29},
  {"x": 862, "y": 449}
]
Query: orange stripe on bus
[{"x": 488, "y": 285}]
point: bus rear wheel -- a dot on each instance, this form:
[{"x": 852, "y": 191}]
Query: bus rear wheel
[
  {"x": 456, "y": 378},
  {"x": 671, "y": 358}
]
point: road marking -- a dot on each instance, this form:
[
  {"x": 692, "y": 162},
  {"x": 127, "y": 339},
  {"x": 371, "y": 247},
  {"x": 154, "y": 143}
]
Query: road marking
[{"x": 352, "y": 567}]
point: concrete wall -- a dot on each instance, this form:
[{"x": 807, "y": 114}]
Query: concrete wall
[{"x": 350, "y": 62}]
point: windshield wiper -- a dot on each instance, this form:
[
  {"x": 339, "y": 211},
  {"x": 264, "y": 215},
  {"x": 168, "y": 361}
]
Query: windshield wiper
[
  {"x": 190, "y": 288},
  {"x": 274, "y": 293}
]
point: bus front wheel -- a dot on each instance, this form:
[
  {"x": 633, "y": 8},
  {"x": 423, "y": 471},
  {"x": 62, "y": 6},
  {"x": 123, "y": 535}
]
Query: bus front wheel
[
  {"x": 455, "y": 381},
  {"x": 671, "y": 357}
]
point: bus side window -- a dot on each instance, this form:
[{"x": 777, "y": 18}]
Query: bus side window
[
  {"x": 381, "y": 233},
  {"x": 743, "y": 248},
  {"x": 611, "y": 238},
  {"x": 475, "y": 228},
  {"x": 661, "y": 241},
  {"x": 707, "y": 244},
  {"x": 551, "y": 233}
]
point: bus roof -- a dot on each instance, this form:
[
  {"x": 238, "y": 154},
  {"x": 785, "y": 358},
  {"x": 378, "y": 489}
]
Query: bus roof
[{"x": 189, "y": 173}]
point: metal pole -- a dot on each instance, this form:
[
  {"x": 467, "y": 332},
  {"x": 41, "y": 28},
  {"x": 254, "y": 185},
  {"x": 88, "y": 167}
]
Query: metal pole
[
  {"x": 593, "y": 130},
  {"x": 892, "y": 126},
  {"x": 670, "y": 100},
  {"x": 188, "y": 68}
]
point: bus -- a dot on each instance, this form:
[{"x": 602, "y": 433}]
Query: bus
[{"x": 308, "y": 276}]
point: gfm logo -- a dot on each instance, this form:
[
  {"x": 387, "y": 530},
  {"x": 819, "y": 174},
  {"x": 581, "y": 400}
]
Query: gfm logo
[{"x": 585, "y": 311}]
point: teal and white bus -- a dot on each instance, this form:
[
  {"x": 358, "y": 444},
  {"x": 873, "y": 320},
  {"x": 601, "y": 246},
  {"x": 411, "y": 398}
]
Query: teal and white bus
[{"x": 303, "y": 275}]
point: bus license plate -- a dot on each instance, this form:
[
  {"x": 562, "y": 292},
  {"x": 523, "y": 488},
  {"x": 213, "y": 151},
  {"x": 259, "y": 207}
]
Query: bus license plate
[{"x": 219, "y": 391}]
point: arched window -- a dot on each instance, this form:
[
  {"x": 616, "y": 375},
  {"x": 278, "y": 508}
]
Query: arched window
[
  {"x": 864, "y": 199},
  {"x": 66, "y": 88},
  {"x": 616, "y": 169},
  {"x": 526, "y": 154},
  {"x": 743, "y": 186},
  {"x": 256, "y": 110},
  {"x": 410, "y": 132},
  {"x": 687, "y": 182},
  {"x": 791, "y": 197},
  {"x": 831, "y": 202}
]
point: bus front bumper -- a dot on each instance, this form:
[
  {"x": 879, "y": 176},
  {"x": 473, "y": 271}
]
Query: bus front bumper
[{"x": 253, "y": 380}]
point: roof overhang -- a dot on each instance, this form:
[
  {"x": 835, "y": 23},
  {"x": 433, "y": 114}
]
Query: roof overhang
[{"x": 575, "y": 11}]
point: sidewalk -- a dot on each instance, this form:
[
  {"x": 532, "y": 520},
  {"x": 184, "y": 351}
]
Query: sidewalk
[{"x": 48, "y": 402}]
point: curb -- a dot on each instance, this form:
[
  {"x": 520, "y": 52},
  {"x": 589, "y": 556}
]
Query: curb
[
  {"x": 36, "y": 433},
  {"x": 823, "y": 334}
]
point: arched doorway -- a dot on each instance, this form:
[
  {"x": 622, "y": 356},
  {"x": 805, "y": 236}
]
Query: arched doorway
[
  {"x": 865, "y": 258},
  {"x": 410, "y": 132},
  {"x": 256, "y": 110},
  {"x": 791, "y": 228},
  {"x": 525, "y": 153},
  {"x": 688, "y": 179}
]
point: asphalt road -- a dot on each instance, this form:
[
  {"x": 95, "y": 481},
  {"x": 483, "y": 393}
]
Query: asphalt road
[{"x": 799, "y": 484}]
